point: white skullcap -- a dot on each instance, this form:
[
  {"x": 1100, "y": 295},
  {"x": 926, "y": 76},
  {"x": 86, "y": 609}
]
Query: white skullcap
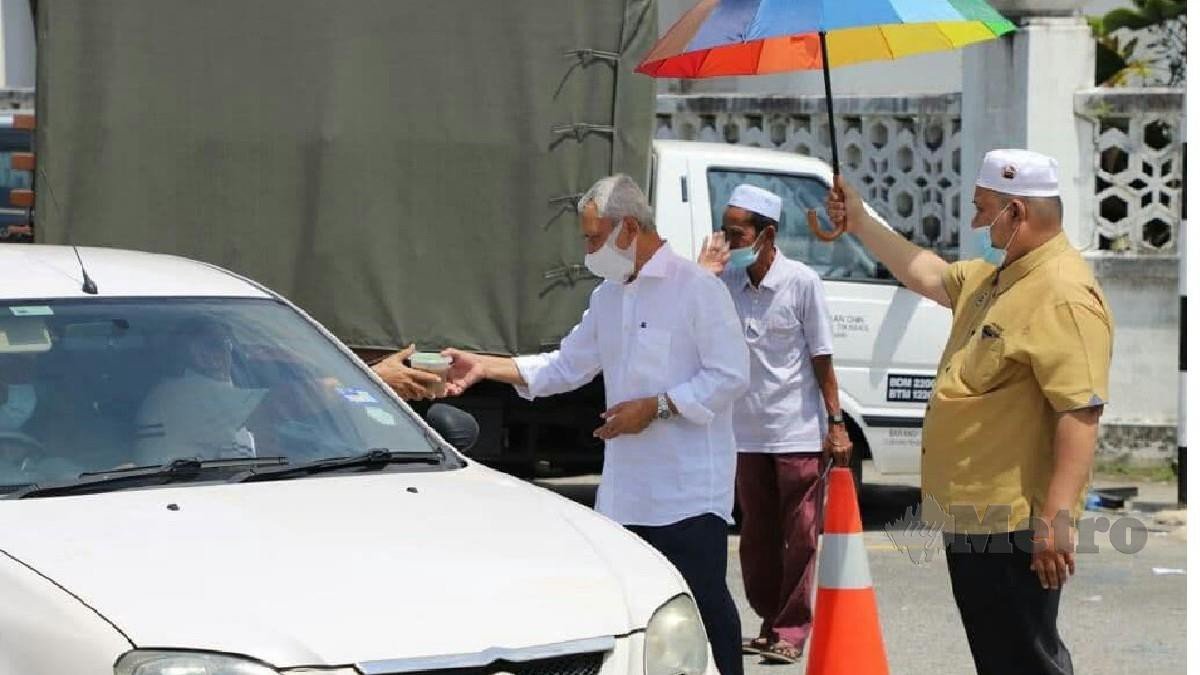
[
  {"x": 760, "y": 201},
  {"x": 1023, "y": 173}
]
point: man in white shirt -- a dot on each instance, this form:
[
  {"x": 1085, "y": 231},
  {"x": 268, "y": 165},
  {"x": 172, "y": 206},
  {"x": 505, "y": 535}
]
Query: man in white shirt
[
  {"x": 788, "y": 418},
  {"x": 665, "y": 334},
  {"x": 201, "y": 413}
]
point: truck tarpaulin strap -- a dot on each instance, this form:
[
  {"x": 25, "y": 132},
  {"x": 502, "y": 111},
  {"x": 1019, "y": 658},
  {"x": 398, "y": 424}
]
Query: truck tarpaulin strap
[
  {"x": 387, "y": 165},
  {"x": 587, "y": 55},
  {"x": 580, "y": 130},
  {"x": 570, "y": 201}
]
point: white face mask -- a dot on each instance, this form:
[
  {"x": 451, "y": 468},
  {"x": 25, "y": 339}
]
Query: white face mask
[
  {"x": 610, "y": 262},
  {"x": 15, "y": 412}
]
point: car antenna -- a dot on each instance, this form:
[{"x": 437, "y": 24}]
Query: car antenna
[{"x": 89, "y": 286}]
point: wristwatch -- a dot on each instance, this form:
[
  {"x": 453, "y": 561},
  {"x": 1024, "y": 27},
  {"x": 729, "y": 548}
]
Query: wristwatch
[
  {"x": 664, "y": 408},
  {"x": 837, "y": 419}
]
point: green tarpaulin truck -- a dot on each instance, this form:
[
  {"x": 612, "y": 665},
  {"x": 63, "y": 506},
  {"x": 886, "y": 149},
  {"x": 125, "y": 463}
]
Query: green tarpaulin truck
[{"x": 406, "y": 171}]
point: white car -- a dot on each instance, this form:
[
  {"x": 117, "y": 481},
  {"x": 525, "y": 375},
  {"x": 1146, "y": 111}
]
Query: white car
[{"x": 198, "y": 479}]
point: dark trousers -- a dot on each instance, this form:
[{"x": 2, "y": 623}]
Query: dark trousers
[
  {"x": 780, "y": 497},
  {"x": 698, "y": 548},
  {"x": 1011, "y": 621}
]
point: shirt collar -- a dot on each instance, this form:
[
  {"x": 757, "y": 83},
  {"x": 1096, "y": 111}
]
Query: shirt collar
[
  {"x": 1009, "y": 275},
  {"x": 659, "y": 264},
  {"x": 772, "y": 278}
]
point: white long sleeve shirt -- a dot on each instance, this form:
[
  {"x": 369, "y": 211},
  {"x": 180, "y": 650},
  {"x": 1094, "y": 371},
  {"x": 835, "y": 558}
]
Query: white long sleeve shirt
[{"x": 672, "y": 330}]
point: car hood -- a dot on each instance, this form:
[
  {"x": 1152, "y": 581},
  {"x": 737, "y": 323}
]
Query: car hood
[{"x": 344, "y": 569}]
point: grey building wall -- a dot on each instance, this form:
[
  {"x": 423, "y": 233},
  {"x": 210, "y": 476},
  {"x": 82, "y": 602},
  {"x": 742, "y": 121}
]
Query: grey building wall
[{"x": 1140, "y": 421}]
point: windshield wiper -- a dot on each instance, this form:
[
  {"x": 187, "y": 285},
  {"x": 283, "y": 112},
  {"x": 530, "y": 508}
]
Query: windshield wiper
[
  {"x": 7, "y": 489},
  {"x": 373, "y": 459},
  {"x": 175, "y": 471}
]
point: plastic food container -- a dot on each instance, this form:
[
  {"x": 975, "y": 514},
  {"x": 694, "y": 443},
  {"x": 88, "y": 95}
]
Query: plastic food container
[{"x": 432, "y": 362}]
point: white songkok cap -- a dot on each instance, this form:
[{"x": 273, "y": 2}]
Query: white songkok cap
[
  {"x": 755, "y": 199},
  {"x": 1022, "y": 173}
]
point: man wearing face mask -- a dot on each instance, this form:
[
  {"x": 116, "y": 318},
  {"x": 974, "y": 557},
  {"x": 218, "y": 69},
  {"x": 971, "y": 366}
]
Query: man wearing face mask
[
  {"x": 665, "y": 334},
  {"x": 18, "y": 399},
  {"x": 1011, "y": 428},
  {"x": 789, "y": 417}
]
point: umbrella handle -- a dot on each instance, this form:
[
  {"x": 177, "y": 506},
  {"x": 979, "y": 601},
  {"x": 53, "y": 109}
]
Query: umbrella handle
[{"x": 823, "y": 235}]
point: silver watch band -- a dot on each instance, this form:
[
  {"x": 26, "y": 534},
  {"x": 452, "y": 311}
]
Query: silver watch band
[{"x": 664, "y": 407}]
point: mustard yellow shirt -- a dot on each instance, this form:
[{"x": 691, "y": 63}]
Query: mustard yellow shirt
[{"x": 1027, "y": 342}]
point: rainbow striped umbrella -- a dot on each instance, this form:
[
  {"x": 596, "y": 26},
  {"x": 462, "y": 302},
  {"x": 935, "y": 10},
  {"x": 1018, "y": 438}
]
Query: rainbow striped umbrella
[{"x": 719, "y": 38}]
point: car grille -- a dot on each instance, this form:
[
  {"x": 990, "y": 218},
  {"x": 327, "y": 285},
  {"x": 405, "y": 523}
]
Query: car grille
[{"x": 571, "y": 664}]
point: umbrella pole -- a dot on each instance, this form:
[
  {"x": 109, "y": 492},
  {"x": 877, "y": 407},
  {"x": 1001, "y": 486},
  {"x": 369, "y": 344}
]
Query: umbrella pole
[
  {"x": 829, "y": 104},
  {"x": 814, "y": 223}
]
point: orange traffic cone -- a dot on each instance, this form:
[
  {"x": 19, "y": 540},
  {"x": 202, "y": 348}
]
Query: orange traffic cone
[{"x": 846, "y": 637}]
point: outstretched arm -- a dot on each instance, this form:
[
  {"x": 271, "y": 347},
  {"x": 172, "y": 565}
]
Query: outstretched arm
[{"x": 920, "y": 271}]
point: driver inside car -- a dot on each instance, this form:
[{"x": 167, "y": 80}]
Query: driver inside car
[
  {"x": 17, "y": 396},
  {"x": 22, "y": 456},
  {"x": 201, "y": 413},
  {"x": 17, "y": 403}
]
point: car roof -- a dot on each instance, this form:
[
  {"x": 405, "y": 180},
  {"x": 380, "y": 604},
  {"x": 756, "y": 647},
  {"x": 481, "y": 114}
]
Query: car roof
[
  {"x": 743, "y": 156},
  {"x": 40, "y": 271}
]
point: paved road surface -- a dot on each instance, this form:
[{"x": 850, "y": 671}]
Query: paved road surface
[{"x": 1117, "y": 617}]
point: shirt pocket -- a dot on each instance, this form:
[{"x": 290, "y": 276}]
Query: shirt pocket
[
  {"x": 983, "y": 364},
  {"x": 781, "y": 337},
  {"x": 780, "y": 327},
  {"x": 649, "y": 369}
]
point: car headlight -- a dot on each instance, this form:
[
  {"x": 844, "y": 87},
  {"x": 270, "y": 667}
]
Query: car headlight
[
  {"x": 675, "y": 640},
  {"x": 149, "y": 662}
]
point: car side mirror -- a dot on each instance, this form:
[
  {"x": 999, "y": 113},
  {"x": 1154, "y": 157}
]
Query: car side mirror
[{"x": 458, "y": 427}]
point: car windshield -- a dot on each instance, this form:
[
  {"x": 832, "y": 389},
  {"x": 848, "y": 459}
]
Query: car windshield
[{"x": 97, "y": 386}]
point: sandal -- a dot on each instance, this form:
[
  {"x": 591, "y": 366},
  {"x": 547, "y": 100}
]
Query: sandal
[
  {"x": 756, "y": 646},
  {"x": 782, "y": 653}
]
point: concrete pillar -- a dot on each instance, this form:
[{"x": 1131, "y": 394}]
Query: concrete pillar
[
  {"x": 1019, "y": 92},
  {"x": 1181, "y": 424}
]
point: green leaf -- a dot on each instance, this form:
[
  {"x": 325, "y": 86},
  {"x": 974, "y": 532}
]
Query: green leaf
[
  {"x": 1109, "y": 64},
  {"x": 1126, "y": 18},
  {"x": 1164, "y": 10},
  {"x": 1127, "y": 51}
]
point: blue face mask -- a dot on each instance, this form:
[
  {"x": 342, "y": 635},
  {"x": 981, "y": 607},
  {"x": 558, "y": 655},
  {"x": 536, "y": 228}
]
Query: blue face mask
[
  {"x": 741, "y": 258},
  {"x": 990, "y": 253},
  {"x": 995, "y": 256}
]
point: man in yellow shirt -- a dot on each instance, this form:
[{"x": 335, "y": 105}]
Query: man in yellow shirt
[{"x": 1011, "y": 428}]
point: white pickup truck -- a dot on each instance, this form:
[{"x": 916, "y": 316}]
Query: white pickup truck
[{"x": 887, "y": 340}]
